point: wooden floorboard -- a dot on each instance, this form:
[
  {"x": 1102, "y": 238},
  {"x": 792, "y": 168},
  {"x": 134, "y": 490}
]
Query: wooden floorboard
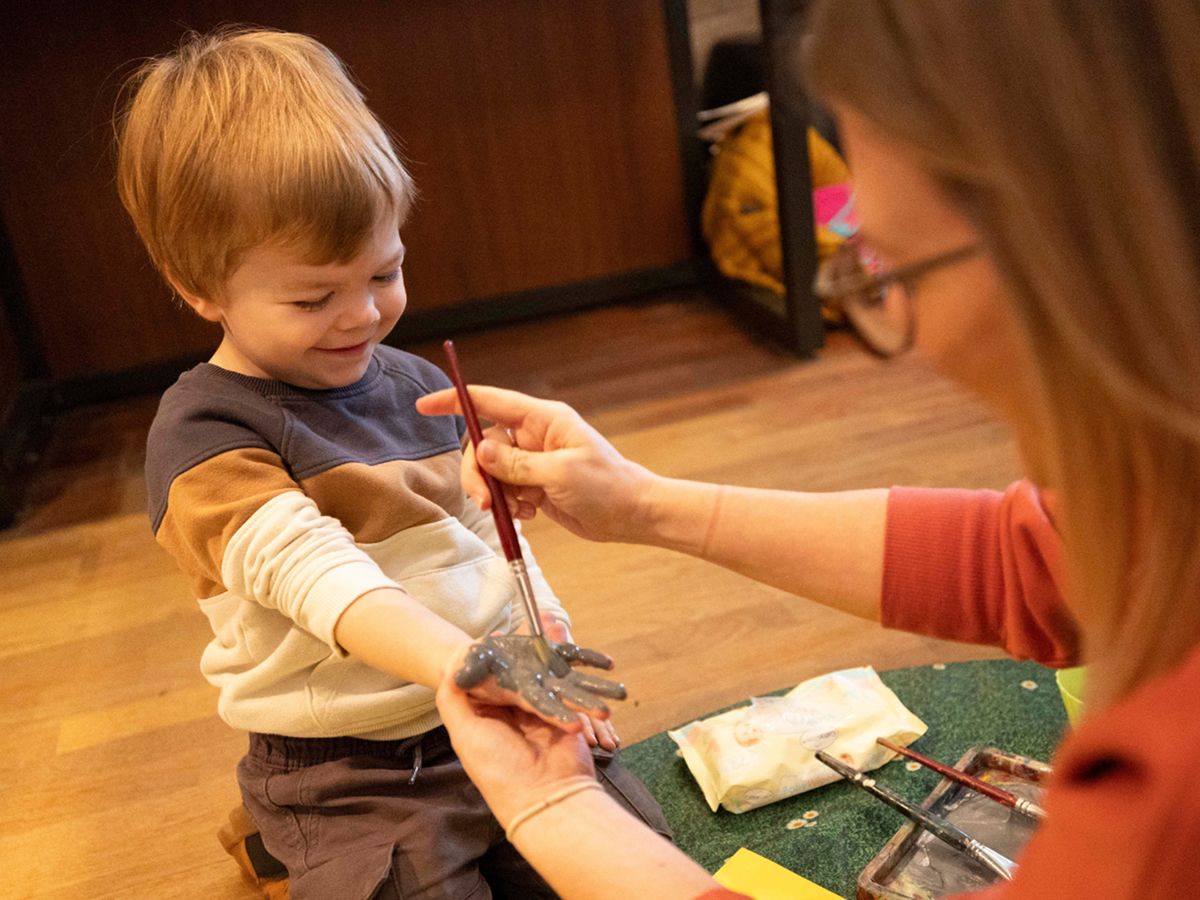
[{"x": 114, "y": 769}]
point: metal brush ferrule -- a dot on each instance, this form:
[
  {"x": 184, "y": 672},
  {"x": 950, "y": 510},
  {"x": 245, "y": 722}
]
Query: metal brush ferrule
[
  {"x": 1029, "y": 808},
  {"x": 997, "y": 862},
  {"x": 525, "y": 589}
]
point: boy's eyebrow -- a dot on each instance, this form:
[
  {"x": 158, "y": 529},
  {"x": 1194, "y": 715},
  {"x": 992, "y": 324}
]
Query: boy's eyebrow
[{"x": 304, "y": 284}]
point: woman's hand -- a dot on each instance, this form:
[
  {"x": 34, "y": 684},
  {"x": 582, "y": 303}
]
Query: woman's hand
[
  {"x": 587, "y": 847},
  {"x": 559, "y": 464},
  {"x": 512, "y": 756}
]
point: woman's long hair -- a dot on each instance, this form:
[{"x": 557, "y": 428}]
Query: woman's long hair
[{"x": 1069, "y": 133}]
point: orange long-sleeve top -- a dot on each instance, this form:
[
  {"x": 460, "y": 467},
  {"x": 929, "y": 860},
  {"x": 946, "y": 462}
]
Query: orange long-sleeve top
[{"x": 1123, "y": 810}]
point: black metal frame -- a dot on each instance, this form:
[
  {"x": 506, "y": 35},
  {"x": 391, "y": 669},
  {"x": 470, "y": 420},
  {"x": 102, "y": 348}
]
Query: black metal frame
[
  {"x": 22, "y": 423},
  {"x": 795, "y": 318},
  {"x": 793, "y": 180}
]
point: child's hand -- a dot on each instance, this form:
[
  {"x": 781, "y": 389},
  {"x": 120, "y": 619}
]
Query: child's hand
[
  {"x": 548, "y": 687},
  {"x": 540, "y": 673},
  {"x": 597, "y": 731}
]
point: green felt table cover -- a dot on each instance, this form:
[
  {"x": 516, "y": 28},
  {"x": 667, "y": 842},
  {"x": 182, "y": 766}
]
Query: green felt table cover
[{"x": 965, "y": 705}]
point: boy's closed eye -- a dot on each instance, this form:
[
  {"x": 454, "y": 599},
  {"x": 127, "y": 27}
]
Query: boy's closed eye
[
  {"x": 316, "y": 305},
  {"x": 313, "y": 305}
]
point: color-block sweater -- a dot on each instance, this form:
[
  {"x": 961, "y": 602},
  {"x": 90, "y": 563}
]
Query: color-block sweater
[{"x": 284, "y": 505}]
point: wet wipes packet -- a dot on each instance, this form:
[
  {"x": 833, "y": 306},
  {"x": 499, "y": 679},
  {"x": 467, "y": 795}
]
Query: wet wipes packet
[{"x": 754, "y": 755}]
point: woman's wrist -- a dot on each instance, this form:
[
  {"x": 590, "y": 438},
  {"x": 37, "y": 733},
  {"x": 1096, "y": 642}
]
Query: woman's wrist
[
  {"x": 517, "y": 805},
  {"x": 567, "y": 801},
  {"x": 558, "y": 793},
  {"x": 589, "y": 846},
  {"x": 638, "y": 524},
  {"x": 679, "y": 515}
]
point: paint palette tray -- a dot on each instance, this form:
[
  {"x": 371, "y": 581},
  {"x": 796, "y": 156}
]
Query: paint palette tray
[{"x": 914, "y": 865}]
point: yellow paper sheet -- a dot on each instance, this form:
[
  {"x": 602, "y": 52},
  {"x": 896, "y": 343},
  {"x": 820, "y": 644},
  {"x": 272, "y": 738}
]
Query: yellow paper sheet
[{"x": 754, "y": 875}]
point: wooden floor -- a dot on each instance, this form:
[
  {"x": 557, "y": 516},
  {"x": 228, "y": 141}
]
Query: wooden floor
[{"x": 114, "y": 769}]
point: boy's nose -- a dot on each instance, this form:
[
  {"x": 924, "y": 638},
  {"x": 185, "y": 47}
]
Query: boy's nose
[{"x": 361, "y": 315}]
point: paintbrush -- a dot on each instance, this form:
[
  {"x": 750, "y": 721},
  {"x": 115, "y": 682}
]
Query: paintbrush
[
  {"x": 939, "y": 827},
  {"x": 1020, "y": 804},
  {"x": 504, "y": 523}
]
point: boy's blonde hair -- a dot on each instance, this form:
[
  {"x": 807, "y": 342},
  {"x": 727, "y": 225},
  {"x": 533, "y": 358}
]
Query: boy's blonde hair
[{"x": 246, "y": 137}]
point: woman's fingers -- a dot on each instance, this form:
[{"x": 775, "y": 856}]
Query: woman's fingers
[
  {"x": 509, "y": 408},
  {"x": 472, "y": 479},
  {"x": 522, "y": 502},
  {"x": 559, "y": 465},
  {"x": 523, "y": 468},
  {"x": 439, "y": 403},
  {"x": 589, "y": 730},
  {"x": 606, "y": 734}
]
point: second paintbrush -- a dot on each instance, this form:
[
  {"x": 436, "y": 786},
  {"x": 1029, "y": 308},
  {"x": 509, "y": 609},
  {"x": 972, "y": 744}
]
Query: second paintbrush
[
  {"x": 938, "y": 826},
  {"x": 1020, "y": 804}
]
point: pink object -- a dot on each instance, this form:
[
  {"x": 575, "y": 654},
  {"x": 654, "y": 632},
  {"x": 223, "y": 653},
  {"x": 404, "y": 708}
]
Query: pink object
[{"x": 833, "y": 207}]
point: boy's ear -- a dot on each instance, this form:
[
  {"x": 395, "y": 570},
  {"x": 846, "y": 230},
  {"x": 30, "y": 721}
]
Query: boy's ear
[{"x": 205, "y": 308}]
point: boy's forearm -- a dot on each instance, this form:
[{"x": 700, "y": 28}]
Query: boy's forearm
[
  {"x": 390, "y": 631},
  {"x": 824, "y": 546}
]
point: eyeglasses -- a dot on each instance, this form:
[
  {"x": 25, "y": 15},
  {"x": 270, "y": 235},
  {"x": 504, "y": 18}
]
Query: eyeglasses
[{"x": 853, "y": 281}]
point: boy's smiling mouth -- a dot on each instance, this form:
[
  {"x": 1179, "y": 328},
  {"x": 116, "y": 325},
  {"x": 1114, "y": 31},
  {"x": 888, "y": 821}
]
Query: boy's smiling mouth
[{"x": 347, "y": 351}]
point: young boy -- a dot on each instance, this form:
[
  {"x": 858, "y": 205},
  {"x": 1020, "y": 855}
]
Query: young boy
[{"x": 319, "y": 517}]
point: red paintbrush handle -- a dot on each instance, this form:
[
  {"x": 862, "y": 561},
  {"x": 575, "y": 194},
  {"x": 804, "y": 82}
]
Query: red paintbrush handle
[
  {"x": 982, "y": 787},
  {"x": 504, "y": 523}
]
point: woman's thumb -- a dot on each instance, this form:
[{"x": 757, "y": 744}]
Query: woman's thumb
[{"x": 512, "y": 465}]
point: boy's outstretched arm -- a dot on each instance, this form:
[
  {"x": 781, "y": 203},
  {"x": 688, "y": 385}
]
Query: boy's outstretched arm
[{"x": 390, "y": 631}]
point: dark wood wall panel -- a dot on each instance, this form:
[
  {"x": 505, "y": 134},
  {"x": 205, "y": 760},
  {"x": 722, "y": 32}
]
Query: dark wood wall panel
[
  {"x": 10, "y": 367},
  {"x": 541, "y": 133}
]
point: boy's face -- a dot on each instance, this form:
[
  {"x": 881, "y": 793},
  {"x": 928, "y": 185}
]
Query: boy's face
[{"x": 312, "y": 326}]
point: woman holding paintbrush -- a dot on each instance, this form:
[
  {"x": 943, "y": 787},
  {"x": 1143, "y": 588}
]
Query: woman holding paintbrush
[{"x": 1028, "y": 182}]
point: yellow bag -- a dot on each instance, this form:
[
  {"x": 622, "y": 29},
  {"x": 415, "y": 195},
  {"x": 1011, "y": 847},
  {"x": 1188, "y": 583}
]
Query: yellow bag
[{"x": 740, "y": 218}]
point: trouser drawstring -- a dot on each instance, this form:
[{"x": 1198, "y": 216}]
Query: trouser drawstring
[{"x": 415, "y": 744}]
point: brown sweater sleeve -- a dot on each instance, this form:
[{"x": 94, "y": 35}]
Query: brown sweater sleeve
[{"x": 978, "y": 566}]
